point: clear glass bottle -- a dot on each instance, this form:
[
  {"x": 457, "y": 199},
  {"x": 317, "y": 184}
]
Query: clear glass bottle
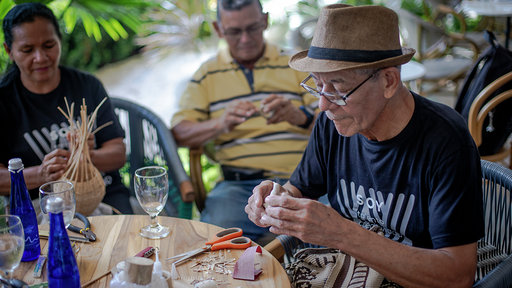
[
  {"x": 62, "y": 266},
  {"x": 20, "y": 204}
]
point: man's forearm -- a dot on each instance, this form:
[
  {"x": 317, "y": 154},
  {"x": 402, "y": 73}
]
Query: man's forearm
[
  {"x": 410, "y": 266},
  {"x": 193, "y": 135}
]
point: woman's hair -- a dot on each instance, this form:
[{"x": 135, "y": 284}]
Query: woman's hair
[
  {"x": 19, "y": 14},
  {"x": 26, "y": 12}
]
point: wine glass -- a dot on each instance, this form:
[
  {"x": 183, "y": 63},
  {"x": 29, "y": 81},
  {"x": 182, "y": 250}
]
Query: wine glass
[
  {"x": 151, "y": 189},
  {"x": 62, "y": 189},
  {"x": 12, "y": 243}
]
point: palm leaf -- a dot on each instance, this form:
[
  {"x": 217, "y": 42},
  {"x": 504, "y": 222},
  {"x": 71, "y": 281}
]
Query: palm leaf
[
  {"x": 5, "y": 6},
  {"x": 108, "y": 28},
  {"x": 110, "y": 15}
]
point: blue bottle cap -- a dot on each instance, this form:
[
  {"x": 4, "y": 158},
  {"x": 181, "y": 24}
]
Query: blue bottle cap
[
  {"x": 55, "y": 205},
  {"x": 15, "y": 164}
]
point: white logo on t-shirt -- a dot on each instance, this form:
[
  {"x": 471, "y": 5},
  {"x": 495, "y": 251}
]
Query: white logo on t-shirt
[
  {"x": 46, "y": 140},
  {"x": 369, "y": 207}
]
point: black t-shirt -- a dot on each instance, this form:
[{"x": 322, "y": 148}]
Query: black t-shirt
[
  {"x": 423, "y": 187},
  {"x": 32, "y": 126}
]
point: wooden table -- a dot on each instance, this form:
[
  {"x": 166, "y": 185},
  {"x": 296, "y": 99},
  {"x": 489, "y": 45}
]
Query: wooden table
[{"x": 118, "y": 238}]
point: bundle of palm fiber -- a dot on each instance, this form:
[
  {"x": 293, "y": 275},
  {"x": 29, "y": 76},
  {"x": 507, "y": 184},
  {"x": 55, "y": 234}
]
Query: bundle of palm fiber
[{"x": 88, "y": 182}]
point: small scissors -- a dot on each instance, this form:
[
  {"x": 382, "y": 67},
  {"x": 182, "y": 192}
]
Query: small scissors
[{"x": 225, "y": 239}]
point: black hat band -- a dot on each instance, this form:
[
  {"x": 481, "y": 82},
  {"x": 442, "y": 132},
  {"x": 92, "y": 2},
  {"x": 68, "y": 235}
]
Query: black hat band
[{"x": 363, "y": 56}]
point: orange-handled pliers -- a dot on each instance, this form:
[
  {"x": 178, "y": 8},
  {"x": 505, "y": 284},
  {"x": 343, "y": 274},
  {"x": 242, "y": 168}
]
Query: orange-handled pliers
[{"x": 230, "y": 238}]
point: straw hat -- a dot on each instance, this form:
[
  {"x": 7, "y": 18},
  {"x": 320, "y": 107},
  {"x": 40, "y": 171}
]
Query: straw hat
[{"x": 348, "y": 37}]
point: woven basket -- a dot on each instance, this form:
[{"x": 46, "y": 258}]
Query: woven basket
[
  {"x": 87, "y": 179},
  {"x": 89, "y": 189}
]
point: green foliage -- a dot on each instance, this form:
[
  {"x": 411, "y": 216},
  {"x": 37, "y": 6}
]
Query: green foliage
[
  {"x": 84, "y": 53},
  {"x": 180, "y": 24},
  {"x": 358, "y": 2},
  {"x": 110, "y": 15},
  {"x": 5, "y": 6},
  {"x": 449, "y": 23},
  {"x": 110, "y": 27},
  {"x": 417, "y": 7},
  {"x": 3, "y": 204},
  {"x": 125, "y": 174},
  {"x": 211, "y": 170}
]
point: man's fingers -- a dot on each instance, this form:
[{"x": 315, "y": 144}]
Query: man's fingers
[
  {"x": 255, "y": 215},
  {"x": 281, "y": 226},
  {"x": 261, "y": 191},
  {"x": 270, "y": 98},
  {"x": 241, "y": 108},
  {"x": 286, "y": 201}
]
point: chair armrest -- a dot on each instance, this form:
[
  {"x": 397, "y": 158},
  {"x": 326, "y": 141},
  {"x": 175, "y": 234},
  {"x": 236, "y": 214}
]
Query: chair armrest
[
  {"x": 276, "y": 248},
  {"x": 501, "y": 276},
  {"x": 196, "y": 177}
]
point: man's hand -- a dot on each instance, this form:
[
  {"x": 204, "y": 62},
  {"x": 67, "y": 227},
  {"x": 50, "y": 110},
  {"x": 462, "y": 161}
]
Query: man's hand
[
  {"x": 254, "y": 207},
  {"x": 283, "y": 110},
  {"x": 306, "y": 219},
  {"x": 235, "y": 114},
  {"x": 53, "y": 166}
]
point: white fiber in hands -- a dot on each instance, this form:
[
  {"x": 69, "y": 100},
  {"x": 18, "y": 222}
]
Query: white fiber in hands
[{"x": 276, "y": 190}]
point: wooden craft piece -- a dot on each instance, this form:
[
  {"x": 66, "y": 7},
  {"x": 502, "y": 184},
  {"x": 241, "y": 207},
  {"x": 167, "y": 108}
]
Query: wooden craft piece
[{"x": 139, "y": 270}]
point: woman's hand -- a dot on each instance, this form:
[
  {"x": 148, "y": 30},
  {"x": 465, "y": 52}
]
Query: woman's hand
[{"x": 53, "y": 166}]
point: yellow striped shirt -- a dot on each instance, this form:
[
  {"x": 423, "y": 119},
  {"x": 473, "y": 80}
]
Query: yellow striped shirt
[{"x": 253, "y": 144}]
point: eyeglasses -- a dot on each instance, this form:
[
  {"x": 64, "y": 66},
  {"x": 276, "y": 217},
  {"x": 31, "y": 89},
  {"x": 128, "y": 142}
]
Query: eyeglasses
[
  {"x": 335, "y": 98},
  {"x": 236, "y": 33}
]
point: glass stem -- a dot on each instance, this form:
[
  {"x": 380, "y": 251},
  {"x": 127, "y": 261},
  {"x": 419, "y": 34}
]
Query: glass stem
[{"x": 154, "y": 221}]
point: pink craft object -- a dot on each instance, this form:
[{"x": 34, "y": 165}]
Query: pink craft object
[{"x": 244, "y": 267}]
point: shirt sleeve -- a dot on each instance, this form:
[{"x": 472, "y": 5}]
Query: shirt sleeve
[
  {"x": 194, "y": 104},
  {"x": 310, "y": 175}
]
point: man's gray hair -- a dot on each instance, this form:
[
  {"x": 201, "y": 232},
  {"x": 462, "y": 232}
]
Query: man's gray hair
[
  {"x": 370, "y": 71},
  {"x": 231, "y": 5}
]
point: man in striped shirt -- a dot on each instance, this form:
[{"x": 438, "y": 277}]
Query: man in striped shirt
[{"x": 248, "y": 102}]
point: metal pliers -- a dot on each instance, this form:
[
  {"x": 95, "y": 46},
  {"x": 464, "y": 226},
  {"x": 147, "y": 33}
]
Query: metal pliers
[{"x": 86, "y": 231}]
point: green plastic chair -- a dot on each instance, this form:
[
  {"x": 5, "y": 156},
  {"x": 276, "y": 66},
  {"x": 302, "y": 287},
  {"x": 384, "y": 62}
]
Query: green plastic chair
[{"x": 150, "y": 142}]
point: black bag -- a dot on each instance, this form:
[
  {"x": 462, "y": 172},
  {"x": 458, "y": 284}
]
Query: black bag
[{"x": 494, "y": 62}]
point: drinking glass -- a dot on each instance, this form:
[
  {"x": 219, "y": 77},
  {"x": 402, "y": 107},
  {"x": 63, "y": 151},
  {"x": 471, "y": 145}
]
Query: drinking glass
[
  {"x": 58, "y": 189},
  {"x": 12, "y": 243},
  {"x": 151, "y": 189}
]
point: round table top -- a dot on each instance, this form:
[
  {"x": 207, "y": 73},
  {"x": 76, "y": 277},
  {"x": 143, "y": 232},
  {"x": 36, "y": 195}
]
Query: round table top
[
  {"x": 488, "y": 8},
  {"x": 118, "y": 238}
]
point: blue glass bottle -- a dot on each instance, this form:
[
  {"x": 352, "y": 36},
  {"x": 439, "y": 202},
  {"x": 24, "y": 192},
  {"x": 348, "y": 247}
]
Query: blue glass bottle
[
  {"x": 21, "y": 205},
  {"x": 62, "y": 267}
]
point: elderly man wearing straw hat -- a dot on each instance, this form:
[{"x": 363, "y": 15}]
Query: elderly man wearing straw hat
[{"x": 385, "y": 157}]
